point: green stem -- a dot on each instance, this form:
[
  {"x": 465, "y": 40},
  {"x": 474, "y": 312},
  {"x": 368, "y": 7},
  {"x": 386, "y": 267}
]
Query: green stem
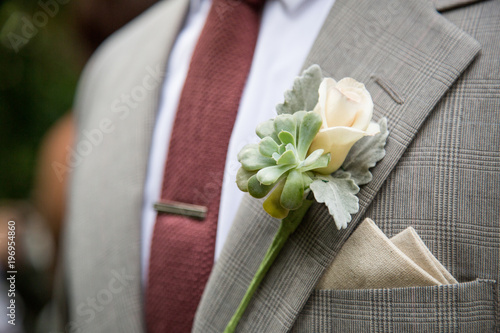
[{"x": 287, "y": 227}]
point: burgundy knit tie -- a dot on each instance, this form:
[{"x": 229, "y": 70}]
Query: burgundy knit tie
[{"x": 182, "y": 251}]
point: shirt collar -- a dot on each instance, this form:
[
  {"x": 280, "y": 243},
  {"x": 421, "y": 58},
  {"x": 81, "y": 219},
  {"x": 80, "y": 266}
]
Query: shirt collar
[
  {"x": 194, "y": 6},
  {"x": 290, "y": 5}
]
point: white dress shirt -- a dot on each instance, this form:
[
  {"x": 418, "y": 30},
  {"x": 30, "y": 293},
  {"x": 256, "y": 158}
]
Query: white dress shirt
[{"x": 287, "y": 32}]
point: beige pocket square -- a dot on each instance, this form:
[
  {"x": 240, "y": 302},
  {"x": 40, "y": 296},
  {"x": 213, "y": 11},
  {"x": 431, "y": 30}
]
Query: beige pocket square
[{"x": 370, "y": 260}]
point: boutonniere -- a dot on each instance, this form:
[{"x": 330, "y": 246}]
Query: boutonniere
[{"x": 320, "y": 147}]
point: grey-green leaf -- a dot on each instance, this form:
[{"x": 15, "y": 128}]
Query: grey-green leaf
[
  {"x": 365, "y": 154},
  {"x": 286, "y": 138},
  {"x": 339, "y": 195},
  {"x": 266, "y": 128},
  {"x": 256, "y": 189},
  {"x": 270, "y": 175},
  {"x": 267, "y": 146},
  {"x": 313, "y": 157},
  {"x": 287, "y": 123},
  {"x": 293, "y": 192},
  {"x": 304, "y": 94},
  {"x": 306, "y": 178},
  {"x": 287, "y": 157},
  {"x": 242, "y": 177},
  {"x": 321, "y": 162},
  {"x": 299, "y": 117},
  {"x": 308, "y": 129},
  {"x": 252, "y": 160}
]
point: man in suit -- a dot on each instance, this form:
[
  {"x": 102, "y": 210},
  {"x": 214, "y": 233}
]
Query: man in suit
[{"x": 432, "y": 69}]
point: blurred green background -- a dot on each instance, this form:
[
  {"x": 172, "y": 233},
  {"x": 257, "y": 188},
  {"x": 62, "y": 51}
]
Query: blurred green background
[
  {"x": 38, "y": 76},
  {"x": 44, "y": 45}
]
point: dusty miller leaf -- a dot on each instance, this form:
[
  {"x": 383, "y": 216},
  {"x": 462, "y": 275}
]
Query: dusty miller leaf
[
  {"x": 339, "y": 195},
  {"x": 364, "y": 155},
  {"x": 304, "y": 94}
]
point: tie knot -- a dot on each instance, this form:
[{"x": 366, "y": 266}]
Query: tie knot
[
  {"x": 233, "y": 3},
  {"x": 254, "y": 2}
]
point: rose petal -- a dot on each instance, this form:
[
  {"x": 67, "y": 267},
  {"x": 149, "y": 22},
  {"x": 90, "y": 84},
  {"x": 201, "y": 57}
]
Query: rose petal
[
  {"x": 357, "y": 91},
  {"x": 373, "y": 129},
  {"x": 339, "y": 109},
  {"x": 337, "y": 140},
  {"x": 320, "y": 108}
]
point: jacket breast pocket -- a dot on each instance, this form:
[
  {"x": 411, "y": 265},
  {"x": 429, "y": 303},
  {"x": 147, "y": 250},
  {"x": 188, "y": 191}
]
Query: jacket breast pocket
[{"x": 463, "y": 307}]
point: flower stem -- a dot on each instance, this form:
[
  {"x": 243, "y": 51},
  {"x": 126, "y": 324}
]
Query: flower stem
[{"x": 287, "y": 227}]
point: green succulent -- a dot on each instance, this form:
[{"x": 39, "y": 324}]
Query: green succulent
[{"x": 280, "y": 162}]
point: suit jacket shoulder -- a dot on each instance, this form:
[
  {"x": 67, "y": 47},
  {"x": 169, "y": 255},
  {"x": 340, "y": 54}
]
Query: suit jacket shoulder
[
  {"x": 153, "y": 30},
  {"x": 116, "y": 104}
]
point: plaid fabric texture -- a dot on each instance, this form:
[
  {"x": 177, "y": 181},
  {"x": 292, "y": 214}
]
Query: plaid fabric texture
[
  {"x": 435, "y": 76},
  {"x": 441, "y": 175},
  {"x": 466, "y": 307}
]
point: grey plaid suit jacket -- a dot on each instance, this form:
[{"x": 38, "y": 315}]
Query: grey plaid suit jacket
[{"x": 433, "y": 70}]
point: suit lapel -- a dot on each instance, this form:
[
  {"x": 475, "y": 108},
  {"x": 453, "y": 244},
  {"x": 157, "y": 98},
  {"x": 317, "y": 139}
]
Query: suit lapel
[
  {"x": 408, "y": 56},
  {"x": 443, "y": 5}
]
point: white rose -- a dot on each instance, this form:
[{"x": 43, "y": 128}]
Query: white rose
[{"x": 346, "y": 108}]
